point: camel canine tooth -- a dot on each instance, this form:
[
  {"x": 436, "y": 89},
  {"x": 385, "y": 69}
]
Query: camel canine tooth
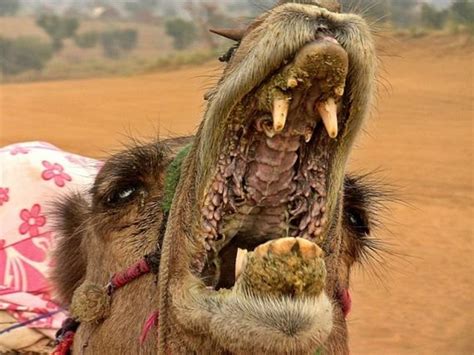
[
  {"x": 328, "y": 112},
  {"x": 240, "y": 261},
  {"x": 280, "y": 112},
  {"x": 308, "y": 134}
]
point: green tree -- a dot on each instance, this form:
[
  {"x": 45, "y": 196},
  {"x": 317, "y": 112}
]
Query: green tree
[
  {"x": 432, "y": 18},
  {"x": 22, "y": 54},
  {"x": 9, "y": 7},
  {"x": 207, "y": 15},
  {"x": 462, "y": 12},
  {"x": 58, "y": 28},
  {"x": 117, "y": 42},
  {"x": 127, "y": 39},
  {"x": 87, "y": 39},
  {"x": 183, "y": 32}
]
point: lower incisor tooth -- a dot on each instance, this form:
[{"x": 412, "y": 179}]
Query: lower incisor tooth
[
  {"x": 240, "y": 262},
  {"x": 308, "y": 134}
]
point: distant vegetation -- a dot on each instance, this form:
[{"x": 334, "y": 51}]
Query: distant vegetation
[
  {"x": 58, "y": 28},
  {"x": 416, "y": 14},
  {"x": 183, "y": 32},
  {"x": 140, "y": 8},
  {"x": 87, "y": 39},
  {"x": 9, "y": 7},
  {"x": 112, "y": 37},
  {"x": 115, "y": 43},
  {"x": 462, "y": 12},
  {"x": 22, "y": 54},
  {"x": 27, "y": 53}
]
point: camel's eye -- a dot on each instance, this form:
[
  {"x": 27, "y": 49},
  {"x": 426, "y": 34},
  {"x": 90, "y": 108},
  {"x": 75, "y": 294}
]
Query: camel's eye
[
  {"x": 122, "y": 194},
  {"x": 358, "y": 221}
]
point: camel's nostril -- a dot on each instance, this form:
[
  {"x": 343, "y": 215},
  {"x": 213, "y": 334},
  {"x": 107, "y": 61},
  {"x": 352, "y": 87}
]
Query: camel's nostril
[{"x": 323, "y": 60}]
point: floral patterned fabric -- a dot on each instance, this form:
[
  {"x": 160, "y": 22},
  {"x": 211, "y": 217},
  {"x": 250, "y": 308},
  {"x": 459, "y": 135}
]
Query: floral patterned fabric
[{"x": 32, "y": 176}]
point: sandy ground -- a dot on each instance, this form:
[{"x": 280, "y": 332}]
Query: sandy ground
[{"x": 421, "y": 137}]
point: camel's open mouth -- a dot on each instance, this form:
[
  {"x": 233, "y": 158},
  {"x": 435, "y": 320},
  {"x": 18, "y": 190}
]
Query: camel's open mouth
[
  {"x": 274, "y": 167},
  {"x": 265, "y": 174}
]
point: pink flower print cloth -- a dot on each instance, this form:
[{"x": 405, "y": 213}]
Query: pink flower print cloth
[{"x": 32, "y": 176}]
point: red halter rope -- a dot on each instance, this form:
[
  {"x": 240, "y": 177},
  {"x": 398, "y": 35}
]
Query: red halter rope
[
  {"x": 124, "y": 277},
  {"x": 150, "y": 263}
]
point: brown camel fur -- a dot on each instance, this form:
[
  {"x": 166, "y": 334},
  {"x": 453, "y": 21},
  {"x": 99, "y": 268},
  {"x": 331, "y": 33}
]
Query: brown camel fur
[
  {"x": 76, "y": 252},
  {"x": 264, "y": 225},
  {"x": 106, "y": 231},
  {"x": 265, "y": 175}
]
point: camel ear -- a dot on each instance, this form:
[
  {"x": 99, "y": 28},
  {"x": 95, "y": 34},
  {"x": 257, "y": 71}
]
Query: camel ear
[
  {"x": 175, "y": 145},
  {"x": 233, "y": 34},
  {"x": 68, "y": 256}
]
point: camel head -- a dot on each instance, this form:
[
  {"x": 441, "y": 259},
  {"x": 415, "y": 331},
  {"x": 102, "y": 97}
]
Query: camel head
[
  {"x": 260, "y": 238},
  {"x": 107, "y": 229}
]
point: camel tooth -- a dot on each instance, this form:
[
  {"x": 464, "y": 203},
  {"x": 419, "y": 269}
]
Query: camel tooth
[
  {"x": 269, "y": 131},
  {"x": 240, "y": 262},
  {"x": 308, "y": 134},
  {"x": 280, "y": 112},
  {"x": 328, "y": 112},
  {"x": 292, "y": 83},
  {"x": 339, "y": 91}
]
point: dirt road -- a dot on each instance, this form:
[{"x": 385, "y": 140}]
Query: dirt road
[{"x": 421, "y": 136}]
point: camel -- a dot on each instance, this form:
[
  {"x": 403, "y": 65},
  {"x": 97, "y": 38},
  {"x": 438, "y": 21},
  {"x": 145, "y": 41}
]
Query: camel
[
  {"x": 87, "y": 251},
  {"x": 259, "y": 229}
]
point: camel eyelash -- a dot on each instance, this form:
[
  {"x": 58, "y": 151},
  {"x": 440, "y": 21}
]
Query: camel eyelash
[
  {"x": 358, "y": 222},
  {"x": 122, "y": 195}
]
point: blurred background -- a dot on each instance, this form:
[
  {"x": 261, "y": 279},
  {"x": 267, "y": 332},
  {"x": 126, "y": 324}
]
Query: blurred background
[
  {"x": 88, "y": 75},
  {"x": 62, "y": 39}
]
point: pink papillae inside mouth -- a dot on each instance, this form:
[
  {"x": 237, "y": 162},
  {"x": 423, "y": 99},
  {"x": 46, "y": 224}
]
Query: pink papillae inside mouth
[{"x": 271, "y": 176}]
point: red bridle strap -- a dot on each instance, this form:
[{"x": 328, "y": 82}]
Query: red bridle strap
[{"x": 131, "y": 273}]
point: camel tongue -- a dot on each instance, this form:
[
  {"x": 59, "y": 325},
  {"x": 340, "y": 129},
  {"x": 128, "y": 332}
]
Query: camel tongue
[{"x": 240, "y": 262}]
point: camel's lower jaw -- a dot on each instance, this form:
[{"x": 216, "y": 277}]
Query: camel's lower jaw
[
  {"x": 250, "y": 325},
  {"x": 277, "y": 306}
]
